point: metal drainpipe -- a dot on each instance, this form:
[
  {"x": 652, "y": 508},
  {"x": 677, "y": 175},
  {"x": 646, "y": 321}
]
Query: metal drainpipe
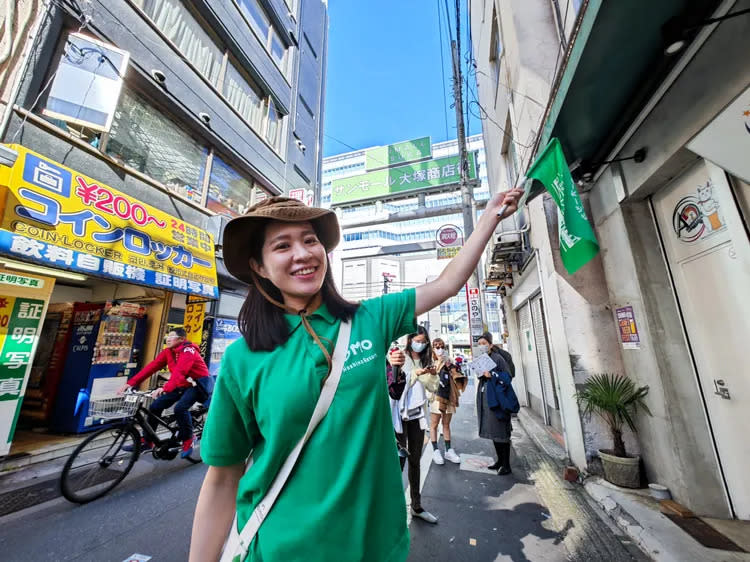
[
  {"x": 560, "y": 24},
  {"x": 549, "y": 345}
]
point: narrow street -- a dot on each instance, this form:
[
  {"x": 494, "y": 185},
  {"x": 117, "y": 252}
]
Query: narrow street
[
  {"x": 531, "y": 515},
  {"x": 150, "y": 513}
]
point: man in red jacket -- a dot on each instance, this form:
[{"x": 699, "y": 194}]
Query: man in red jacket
[{"x": 184, "y": 361}]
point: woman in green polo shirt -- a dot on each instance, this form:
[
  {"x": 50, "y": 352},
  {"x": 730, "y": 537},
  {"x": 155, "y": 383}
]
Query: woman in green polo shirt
[{"x": 344, "y": 499}]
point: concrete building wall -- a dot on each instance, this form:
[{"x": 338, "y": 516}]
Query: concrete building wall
[
  {"x": 186, "y": 94},
  {"x": 493, "y": 102},
  {"x": 581, "y": 327},
  {"x": 537, "y": 41},
  {"x": 20, "y": 21},
  {"x": 676, "y": 441},
  {"x": 582, "y": 332}
]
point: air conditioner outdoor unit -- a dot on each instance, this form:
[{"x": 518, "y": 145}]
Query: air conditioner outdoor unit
[{"x": 510, "y": 238}]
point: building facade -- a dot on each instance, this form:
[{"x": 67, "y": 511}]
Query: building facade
[
  {"x": 133, "y": 131},
  {"x": 389, "y": 237},
  {"x": 657, "y": 154}
]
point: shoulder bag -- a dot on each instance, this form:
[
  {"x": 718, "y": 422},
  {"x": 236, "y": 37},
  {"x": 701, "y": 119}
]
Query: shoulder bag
[{"x": 238, "y": 544}]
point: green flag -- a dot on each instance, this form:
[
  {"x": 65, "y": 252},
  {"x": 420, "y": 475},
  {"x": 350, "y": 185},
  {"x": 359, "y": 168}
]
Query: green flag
[{"x": 577, "y": 240}]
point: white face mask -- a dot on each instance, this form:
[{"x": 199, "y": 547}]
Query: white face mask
[
  {"x": 418, "y": 346},
  {"x": 440, "y": 352},
  {"x": 483, "y": 348}
]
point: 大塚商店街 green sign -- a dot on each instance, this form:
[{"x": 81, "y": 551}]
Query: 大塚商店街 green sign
[
  {"x": 399, "y": 153},
  {"x": 410, "y": 177}
]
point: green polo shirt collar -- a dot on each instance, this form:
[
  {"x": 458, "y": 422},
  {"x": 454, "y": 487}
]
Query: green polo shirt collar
[{"x": 294, "y": 320}]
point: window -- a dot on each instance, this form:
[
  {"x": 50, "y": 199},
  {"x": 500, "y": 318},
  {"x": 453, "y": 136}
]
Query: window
[
  {"x": 175, "y": 21},
  {"x": 244, "y": 97},
  {"x": 256, "y": 16},
  {"x": 496, "y": 48},
  {"x": 260, "y": 23},
  {"x": 277, "y": 49},
  {"x": 87, "y": 83},
  {"x": 273, "y": 132},
  {"x": 257, "y": 109},
  {"x": 143, "y": 138},
  {"x": 229, "y": 192}
]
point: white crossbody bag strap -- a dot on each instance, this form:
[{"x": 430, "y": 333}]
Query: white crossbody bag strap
[{"x": 237, "y": 545}]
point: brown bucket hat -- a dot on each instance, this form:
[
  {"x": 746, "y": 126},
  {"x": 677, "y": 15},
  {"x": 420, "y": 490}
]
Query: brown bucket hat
[{"x": 239, "y": 231}]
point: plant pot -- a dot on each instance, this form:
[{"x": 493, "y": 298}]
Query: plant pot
[{"x": 621, "y": 471}]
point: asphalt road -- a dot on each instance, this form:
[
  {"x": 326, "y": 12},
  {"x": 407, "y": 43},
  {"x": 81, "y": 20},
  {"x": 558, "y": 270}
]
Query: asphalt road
[
  {"x": 483, "y": 516},
  {"x": 150, "y": 513}
]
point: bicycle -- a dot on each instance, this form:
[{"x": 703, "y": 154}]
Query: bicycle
[{"x": 101, "y": 461}]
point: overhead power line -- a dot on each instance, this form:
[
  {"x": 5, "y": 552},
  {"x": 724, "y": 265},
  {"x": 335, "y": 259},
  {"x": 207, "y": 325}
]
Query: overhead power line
[{"x": 442, "y": 70}]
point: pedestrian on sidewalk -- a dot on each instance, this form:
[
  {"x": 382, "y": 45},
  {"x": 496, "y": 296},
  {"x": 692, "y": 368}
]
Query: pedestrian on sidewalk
[
  {"x": 490, "y": 427},
  {"x": 444, "y": 401},
  {"x": 187, "y": 371},
  {"x": 346, "y": 480},
  {"x": 408, "y": 410}
]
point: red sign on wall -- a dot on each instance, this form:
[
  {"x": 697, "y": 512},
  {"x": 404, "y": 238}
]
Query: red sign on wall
[{"x": 449, "y": 235}]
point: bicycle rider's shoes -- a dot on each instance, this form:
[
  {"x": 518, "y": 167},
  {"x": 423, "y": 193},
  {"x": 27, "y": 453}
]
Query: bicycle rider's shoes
[
  {"x": 145, "y": 446},
  {"x": 187, "y": 448}
]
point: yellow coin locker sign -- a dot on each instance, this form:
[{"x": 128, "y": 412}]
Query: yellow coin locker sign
[{"x": 58, "y": 217}]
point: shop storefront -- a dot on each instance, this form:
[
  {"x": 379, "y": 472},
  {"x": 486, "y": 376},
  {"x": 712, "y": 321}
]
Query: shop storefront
[
  {"x": 111, "y": 273},
  {"x": 532, "y": 346},
  {"x": 703, "y": 217}
]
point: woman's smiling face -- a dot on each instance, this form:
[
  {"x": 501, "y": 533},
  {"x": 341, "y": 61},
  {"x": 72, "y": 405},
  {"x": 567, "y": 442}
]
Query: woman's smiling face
[{"x": 294, "y": 260}]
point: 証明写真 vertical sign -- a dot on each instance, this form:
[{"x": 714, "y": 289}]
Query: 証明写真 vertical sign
[{"x": 23, "y": 303}]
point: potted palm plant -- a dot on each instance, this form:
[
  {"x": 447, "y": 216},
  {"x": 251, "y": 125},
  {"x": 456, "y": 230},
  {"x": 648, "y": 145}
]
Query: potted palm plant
[{"x": 616, "y": 400}]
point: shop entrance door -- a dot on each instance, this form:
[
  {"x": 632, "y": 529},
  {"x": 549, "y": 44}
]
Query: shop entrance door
[
  {"x": 543, "y": 361},
  {"x": 529, "y": 360},
  {"x": 708, "y": 252}
]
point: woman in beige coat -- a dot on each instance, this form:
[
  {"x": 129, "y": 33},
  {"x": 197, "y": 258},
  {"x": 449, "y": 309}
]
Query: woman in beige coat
[{"x": 444, "y": 401}]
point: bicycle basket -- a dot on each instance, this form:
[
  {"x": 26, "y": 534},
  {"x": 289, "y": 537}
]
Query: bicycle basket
[{"x": 117, "y": 407}]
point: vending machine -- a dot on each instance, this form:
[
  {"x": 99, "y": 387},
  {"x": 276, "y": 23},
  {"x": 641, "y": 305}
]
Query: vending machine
[
  {"x": 106, "y": 347},
  {"x": 223, "y": 331}
]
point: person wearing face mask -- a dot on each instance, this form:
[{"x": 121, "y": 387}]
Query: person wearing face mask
[
  {"x": 409, "y": 410},
  {"x": 444, "y": 401},
  {"x": 490, "y": 427}
]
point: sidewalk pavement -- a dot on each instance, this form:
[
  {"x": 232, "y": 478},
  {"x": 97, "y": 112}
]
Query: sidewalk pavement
[
  {"x": 638, "y": 515},
  {"x": 530, "y": 515}
]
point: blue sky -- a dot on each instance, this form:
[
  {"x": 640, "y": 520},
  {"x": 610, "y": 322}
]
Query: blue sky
[{"x": 384, "y": 82}]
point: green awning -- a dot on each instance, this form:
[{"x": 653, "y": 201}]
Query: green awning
[{"x": 616, "y": 63}]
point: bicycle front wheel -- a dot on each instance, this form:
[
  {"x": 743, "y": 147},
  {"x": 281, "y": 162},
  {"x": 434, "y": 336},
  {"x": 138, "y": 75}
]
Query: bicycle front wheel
[{"x": 100, "y": 463}]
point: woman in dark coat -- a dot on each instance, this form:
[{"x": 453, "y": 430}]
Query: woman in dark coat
[{"x": 490, "y": 427}]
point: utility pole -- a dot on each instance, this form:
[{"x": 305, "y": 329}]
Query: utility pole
[
  {"x": 466, "y": 209},
  {"x": 476, "y": 325}
]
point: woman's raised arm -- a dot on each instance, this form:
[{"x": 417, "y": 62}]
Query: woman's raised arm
[{"x": 458, "y": 271}]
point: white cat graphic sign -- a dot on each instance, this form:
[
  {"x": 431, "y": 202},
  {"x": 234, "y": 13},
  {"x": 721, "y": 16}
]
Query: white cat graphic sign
[{"x": 698, "y": 216}]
